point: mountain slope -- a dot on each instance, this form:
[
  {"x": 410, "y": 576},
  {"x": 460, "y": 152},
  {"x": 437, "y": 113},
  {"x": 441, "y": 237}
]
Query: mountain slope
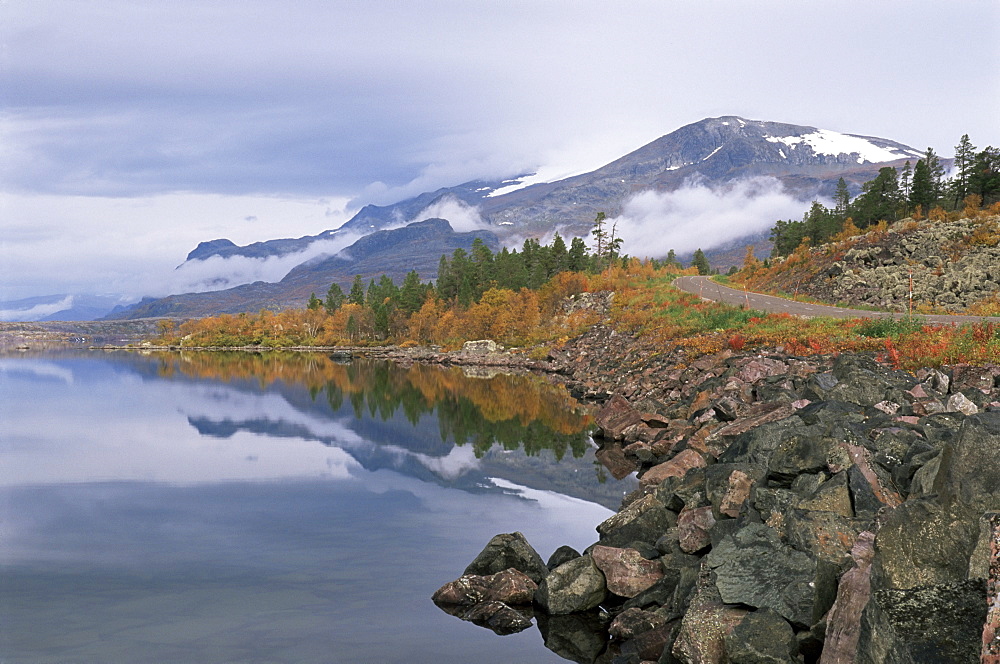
[
  {"x": 418, "y": 246},
  {"x": 807, "y": 160},
  {"x": 715, "y": 151}
]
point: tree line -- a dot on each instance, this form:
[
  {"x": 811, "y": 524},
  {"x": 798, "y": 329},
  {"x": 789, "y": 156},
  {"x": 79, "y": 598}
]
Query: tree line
[{"x": 919, "y": 190}]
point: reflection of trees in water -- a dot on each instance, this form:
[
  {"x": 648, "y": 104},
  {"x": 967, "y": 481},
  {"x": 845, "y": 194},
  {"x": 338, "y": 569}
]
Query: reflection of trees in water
[{"x": 513, "y": 411}]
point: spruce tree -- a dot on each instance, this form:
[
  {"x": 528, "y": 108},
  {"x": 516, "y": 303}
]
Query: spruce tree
[
  {"x": 842, "y": 199},
  {"x": 334, "y": 298},
  {"x": 965, "y": 160},
  {"x": 922, "y": 190},
  {"x": 700, "y": 262},
  {"x": 357, "y": 294}
]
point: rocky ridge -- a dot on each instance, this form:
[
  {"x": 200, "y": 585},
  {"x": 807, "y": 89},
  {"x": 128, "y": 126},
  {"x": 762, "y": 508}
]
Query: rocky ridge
[
  {"x": 821, "y": 509},
  {"x": 954, "y": 265}
]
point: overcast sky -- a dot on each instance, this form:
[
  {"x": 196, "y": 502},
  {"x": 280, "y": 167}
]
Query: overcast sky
[{"x": 131, "y": 131}]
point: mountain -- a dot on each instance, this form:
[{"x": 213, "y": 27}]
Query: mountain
[
  {"x": 395, "y": 252},
  {"x": 714, "y": 152},
  {"x": 63, "y": 307},
  {"x": 369, "y": 219},
  {"x": 806, "y": 160}
]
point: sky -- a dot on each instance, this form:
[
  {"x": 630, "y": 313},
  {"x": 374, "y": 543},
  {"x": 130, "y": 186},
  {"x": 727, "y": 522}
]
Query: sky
[{"x": 132, "y": 131}]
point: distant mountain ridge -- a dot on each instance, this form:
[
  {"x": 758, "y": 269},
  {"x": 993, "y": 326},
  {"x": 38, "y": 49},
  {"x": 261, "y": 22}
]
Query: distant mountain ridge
[
  {"x": 395, "y": 252},
  {"x": 715, "y": 151}
]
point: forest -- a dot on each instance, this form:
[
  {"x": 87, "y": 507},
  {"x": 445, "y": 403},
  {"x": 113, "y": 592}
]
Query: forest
[{"x": 919, "y": 191}]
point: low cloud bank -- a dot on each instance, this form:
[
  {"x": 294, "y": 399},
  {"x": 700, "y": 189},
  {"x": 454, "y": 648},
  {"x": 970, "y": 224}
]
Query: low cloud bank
[
  {"x": 36, "y": 312},
  {"x": 218, "y": 273},
  {"x": 700, "y": 217},
  {"x": 463, "y": 218}
]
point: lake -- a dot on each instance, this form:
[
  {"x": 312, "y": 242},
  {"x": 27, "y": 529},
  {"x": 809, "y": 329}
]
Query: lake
[{"x": 280, "y": 507}]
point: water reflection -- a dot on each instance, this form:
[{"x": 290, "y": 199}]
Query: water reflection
[{"x": 271, "y": 508}]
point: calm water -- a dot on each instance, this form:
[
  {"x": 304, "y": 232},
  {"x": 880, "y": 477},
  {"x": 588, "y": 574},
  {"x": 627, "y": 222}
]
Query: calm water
[{"x": 240, "y": 508}]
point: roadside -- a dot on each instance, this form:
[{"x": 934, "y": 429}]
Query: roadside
[{"x": 707, "y": 289}]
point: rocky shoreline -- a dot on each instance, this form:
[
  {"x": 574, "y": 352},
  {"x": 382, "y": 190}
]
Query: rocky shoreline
[{"x": 820, "y": 509}]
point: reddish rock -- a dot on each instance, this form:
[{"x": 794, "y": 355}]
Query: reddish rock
[
  {"x": 509, "y": 586},
  {"x": 862, "y": 459},
  {"x": 626, "y": 571},
  {"x": 497, "y": 616},
  {"x": 991, "y": 629},
  {"x": 676, "y": 467},
  {"x": 612, "y": 456},
  {"x": 754, "y": 416},
  {"x": 616, "y": 416},
  {"x": 655, "y": 421},
  {"x": 701, "y": 401},
  {"x": 965, "y": 376},
  {"x": 736, "y": 494},
  {"x": 692, "y": 528},
  {"x": 843, "y": 622}
]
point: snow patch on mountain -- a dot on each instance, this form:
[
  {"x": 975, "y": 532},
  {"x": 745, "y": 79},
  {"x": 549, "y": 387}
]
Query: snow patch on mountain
[{"x": 826, "y": 142}]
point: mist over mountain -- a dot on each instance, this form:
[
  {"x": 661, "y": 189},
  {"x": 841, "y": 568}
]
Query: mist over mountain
[{"x": 708, "y": 184}]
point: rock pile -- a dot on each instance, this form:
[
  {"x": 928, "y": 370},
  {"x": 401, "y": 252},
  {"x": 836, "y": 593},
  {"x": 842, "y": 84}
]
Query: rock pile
[
  {"x": 954, "y": 264},
  {"x": 791, "y": 510}
]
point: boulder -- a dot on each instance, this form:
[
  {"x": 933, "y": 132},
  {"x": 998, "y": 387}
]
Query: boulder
[
  {"x": 481, "y": 347},
  {"x": 928, "y": 625},
  {"x": 693, "y": 526},
  {"x": 753, "y": 567},
  {"x": 706, "y": 622},
  {"x": 762, "y": 637},
  {"x": 844, "y": 619},
  {"x": 572, "y": 587},
  {"x": 508, "y": 550},
  {"x": 563, "y": 554},
  {"x": 509, "y": 586},
  {"x": 615, "y": 417},
  {"x": 676, "y": 467},
  {"x": 645, "y": 520},
  {"x": 626, "y": 572},
  {"x": 631, "y": 622}
]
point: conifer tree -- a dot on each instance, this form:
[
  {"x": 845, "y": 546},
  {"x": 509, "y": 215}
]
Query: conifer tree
[
  {"x": 842, "y": 199},
  {"x": 334, "y": 298},
  {"x": 700, "y": 262},
  {"x": 965, "y": 159},
  {"x": 357, "y": 293},
  {"x": 922, "y": 190},
  {"x": 314, "y": 302}
]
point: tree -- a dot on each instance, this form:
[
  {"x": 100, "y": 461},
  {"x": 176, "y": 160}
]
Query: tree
[
  {"x": 880, "y": 199},
  {"x": 904, "y": 181},
  {"x": 314, "y": 303},
  {"x": 576, "y": 259},
  {"x": 842, "y": 198},
  {"x": 965, "y": 161},
  {"x": 700, "y": 262},
  {"x": 936, "y": 171},
  {"x": 334, "y": 298},
  {"x": 412, "y": 293},
  {"x": 671, "y": 259},
  {"x": 922, "y": 191},
  {"x": 600, "y": 235},
  {"x": 985, "y": 177},
  {"x": 357, "y": 294}
]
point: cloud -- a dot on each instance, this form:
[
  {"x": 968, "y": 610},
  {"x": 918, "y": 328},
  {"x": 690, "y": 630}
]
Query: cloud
[
  {"x": 218, "y": 273},
  {"x": 463, "y": 218},
  {"x": 37, "y": 312},
  {"x": 697, "y": 216}
]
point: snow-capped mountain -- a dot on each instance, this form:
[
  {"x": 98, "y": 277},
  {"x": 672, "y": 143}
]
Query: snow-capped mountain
[{"x": 714, "y": 152}]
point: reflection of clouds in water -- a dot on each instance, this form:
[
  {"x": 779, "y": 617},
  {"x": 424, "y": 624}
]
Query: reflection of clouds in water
[
  {"x": 36, "y": 368},
  {"x": 239, "y": 410},
  {"x": 456, "y": 463}
]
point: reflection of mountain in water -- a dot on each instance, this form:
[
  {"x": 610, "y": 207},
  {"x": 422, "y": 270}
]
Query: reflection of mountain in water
[{"x": 431, "y": 423}]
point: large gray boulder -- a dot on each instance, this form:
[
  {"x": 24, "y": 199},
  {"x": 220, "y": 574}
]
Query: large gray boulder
[
  {"x": 762, "y": 637},
  {"x": 572, "y": 587},
  {"x": 506, "y": 551},
  {"x": 929, "y": 625},
  {"x": 755, "y": 568}
]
